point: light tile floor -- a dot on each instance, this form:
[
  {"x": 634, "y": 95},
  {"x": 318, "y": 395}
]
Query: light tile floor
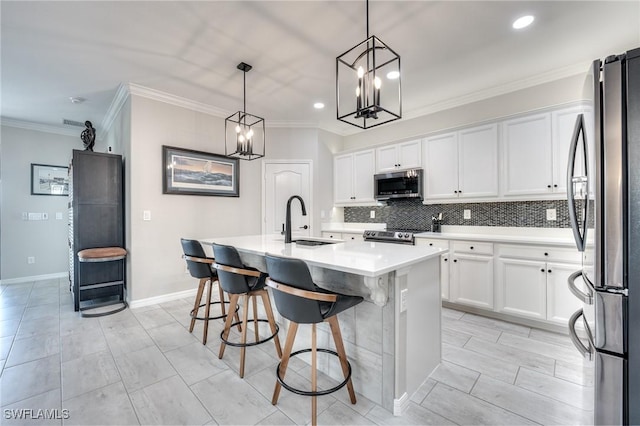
[{"x": 141, "y": 366}]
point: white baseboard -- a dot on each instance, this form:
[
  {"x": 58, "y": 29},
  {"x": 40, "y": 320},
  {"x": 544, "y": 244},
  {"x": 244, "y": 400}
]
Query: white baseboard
[
  {"x": 35, "y": 278},
  {"x": 400, "y": 404},
  {"x": 162, "y": 298}
]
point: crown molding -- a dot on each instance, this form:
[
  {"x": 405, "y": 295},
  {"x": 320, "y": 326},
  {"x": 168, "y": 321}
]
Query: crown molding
[
  {"x": 503, "y": 89},
  {"x": 41, "y": 127},
  {"x": 118, "y": 101},
  {"x": 145, "y": 92}
]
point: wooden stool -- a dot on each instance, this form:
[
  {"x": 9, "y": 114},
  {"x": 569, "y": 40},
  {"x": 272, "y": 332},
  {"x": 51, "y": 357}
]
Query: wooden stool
[
  {"x": 239, "y": 280},
  {"x": 99, "y": 255},
  {"x": 300, "y": 301}
]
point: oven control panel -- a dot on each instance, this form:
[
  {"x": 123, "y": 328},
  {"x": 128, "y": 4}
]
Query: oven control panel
[{"x": 404, "y": 237}]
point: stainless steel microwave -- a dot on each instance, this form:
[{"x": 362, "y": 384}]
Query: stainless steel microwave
[{"x": 400, "y": 184}]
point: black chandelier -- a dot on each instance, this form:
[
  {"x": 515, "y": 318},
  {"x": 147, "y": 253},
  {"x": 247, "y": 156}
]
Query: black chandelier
[
  {"x": 368, "y": 91},
  {"x": 244, "y": 132}
]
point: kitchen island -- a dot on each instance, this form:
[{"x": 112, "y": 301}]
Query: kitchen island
[{"x": 393, "y": 338}]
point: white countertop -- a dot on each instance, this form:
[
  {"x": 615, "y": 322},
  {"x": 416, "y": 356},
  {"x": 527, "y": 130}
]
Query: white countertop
[
  {"x": 515, "y": 236},
  {"x": 351, "y": 227},
  {"x": 369, "y": 259}
]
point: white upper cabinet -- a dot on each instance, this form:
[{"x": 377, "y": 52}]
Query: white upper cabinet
[
  {"x": 405, "y": 155},
  {"x": 462, "y": 164},
  {"x": 563, "y": 124},
  {"x": 353, "y": 177},
  {"x": 528, "y": 156},
  {"x": 478, "y": 161},
  {"x": 441, "y": 166}
]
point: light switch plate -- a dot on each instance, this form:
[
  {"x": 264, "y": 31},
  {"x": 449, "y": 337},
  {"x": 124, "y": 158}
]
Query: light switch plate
[
  {"x": 551, "y": 214},
  {"x": 146, "y": 215},
  {"x": 372, "y": 214},
  {"x": 58, "y": 215},
  {"x": 467, "y": 214}
]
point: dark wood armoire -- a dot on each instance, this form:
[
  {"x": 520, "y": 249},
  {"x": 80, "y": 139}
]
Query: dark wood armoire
[{"x": 96, "y": 219}]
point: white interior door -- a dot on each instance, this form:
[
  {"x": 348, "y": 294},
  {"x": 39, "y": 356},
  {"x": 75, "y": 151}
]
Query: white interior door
[{"x": 282, "y": 180}]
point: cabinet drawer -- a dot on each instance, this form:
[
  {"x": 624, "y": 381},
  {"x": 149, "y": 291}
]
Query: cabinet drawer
[
  {"x": 472, "y": 247},
  {"x": 551, "y": 254},
  {"x": 336, "y": 235},
  {"x": 347, "y": 236},
  {"x": 441, "y": 244}
]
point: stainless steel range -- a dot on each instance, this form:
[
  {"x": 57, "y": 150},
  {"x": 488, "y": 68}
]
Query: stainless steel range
[{"x": 396, "y": 237}]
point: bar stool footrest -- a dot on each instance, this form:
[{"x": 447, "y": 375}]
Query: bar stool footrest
[
  {"x": 259, "y": 342},
  {"x": 212, "y": 318},
  {"x": 311, "y": 393}
]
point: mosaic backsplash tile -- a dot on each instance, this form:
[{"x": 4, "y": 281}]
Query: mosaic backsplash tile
[{"x": 413, "y": 215}]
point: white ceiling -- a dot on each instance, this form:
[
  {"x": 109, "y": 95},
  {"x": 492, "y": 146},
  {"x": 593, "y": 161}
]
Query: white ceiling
[{"x": 450, "y": 50}]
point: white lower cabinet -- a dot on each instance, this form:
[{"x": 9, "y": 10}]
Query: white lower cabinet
[
  {"x": 521, "y": 280},
  {"x": 531, "y": 281},
  {"x": 561, "y": 303},
  {"x": 521, "y": 287},
  {"x": 471, "y": 274}
]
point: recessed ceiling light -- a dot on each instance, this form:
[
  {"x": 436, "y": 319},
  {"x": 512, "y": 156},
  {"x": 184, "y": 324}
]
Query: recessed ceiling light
[
  {"x": 392, "y": 75},
  {"x": 76, "y": 100},
  {"x": 318, "y": 105},
  {"x": 522, "y": 22}
]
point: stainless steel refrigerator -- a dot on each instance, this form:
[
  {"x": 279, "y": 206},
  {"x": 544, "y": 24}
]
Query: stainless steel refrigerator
[{"x": 603, "y": 180}]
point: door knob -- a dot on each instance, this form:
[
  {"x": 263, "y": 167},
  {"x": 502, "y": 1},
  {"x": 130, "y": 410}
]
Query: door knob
[{"x": 304, "y": 227}]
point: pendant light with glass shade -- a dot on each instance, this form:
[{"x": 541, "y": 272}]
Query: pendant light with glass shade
[
  {"x": 368, "y": 89},
  {"x": 244, "y": 132}
]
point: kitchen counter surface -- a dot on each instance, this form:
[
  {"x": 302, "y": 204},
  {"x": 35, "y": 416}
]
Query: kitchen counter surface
[
  {"x": 351, "y": 227},
  {"x": 368, "y": 259},
  {"x": 517, "y": 238}
]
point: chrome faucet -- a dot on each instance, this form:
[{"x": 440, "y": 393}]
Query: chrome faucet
[{"x": 287, "y": 225}]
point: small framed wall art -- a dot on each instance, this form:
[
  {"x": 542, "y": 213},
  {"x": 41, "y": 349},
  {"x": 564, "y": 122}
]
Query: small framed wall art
[
  {"x": 190, "y": 172},
  {"x": 49, "y": 180}
]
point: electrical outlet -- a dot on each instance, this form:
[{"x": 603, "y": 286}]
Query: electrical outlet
[
  {"x": 146, "y": 215},
  {"x": 467, "y": 214},
  {"x": 35, "y": 216},
  {"x": 403, "y": 299},
  {"x": 31, "y": 260},
  {"x": 58, "y": 215},
  {"x": 551, "y": 214},
  {"x": 372, "y": 214}
]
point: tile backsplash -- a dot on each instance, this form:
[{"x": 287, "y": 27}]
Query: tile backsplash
[{"x": 413, "y": 215}]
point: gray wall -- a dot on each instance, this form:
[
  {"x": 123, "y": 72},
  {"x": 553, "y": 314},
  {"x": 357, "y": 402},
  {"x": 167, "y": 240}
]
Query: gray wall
[
  {"x": 45, "y": 240},
  {"x": 542, "y": 96},
  {"x": 155, "y": 264}
]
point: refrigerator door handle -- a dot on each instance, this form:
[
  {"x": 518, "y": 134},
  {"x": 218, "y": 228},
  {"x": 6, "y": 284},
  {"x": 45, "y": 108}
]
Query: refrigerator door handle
[
  {"x": 583, "y": 296},
  {"x": 586, "y": 352},
  {"x": 572, "y": 181}
]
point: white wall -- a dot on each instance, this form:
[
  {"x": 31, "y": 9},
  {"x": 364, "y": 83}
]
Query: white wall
[
  {"x": 155, "y": 264},
  {"x": 45, "y": 240},
  {"x": 542, "y": 96}
]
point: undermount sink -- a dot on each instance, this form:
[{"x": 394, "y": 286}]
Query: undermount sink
[{"x": 313, "y": 242}]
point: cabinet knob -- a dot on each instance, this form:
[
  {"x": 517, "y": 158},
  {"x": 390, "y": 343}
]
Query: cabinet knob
[
  {"x": 430, "y": 244},
  {"x": 549, "y": 271},
  {"x": 445, "y": 259},
  {"x": 548, "y": 186},
  {"x": 455, "y": 192},
  {"x": 459, "y": 191},
  {"x": 353, "y": 238},
  {"x": 455, "y": 260},
  {"x": 555, "y": 185},
  {"x": 471, "y": 247},
  {"x": 542, "y": 270},
  {"x": 546, "y": 254}
]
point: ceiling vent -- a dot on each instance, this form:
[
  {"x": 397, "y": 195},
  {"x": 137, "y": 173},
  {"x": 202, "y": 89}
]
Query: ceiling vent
[{"x": 72, "y": 123}]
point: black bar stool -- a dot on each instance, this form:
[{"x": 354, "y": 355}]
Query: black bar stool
[
  {"x": 301, "y": 301},
  {"x": 239, "y": 280},
  {"x": 200, "y": 267}
]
